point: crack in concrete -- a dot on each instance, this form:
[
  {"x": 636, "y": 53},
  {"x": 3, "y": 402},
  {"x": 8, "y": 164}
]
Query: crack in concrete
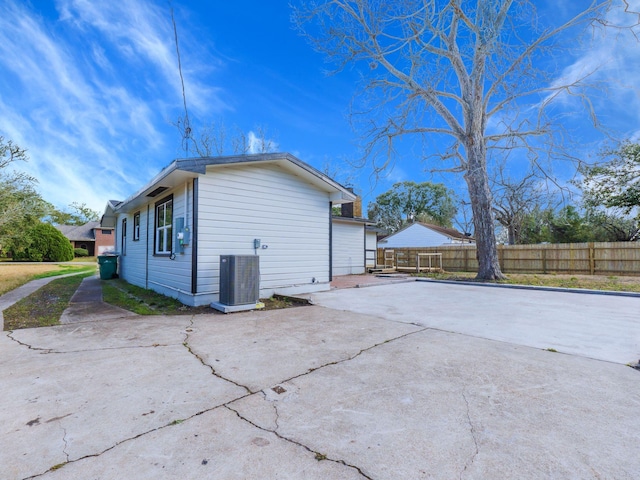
[
  {"x": 473, "y": 436},
  {"x": 131, "y": 347},
  {"x": 117, "y": 444},
  {"x": 64, "y": 439},
  {"x": 52, "y": 351},
  {"x": 338, "y": 362},
  {"x": 185, "y": 343},
  {"x": 318, "y": 455},
  {"x": 44, "y": 350}
]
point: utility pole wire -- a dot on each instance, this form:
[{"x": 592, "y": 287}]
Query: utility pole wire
[{"x": 187, "y": 128}]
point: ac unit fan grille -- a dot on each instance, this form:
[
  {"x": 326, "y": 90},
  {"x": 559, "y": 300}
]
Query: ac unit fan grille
[{"x": 239, "y": 279}]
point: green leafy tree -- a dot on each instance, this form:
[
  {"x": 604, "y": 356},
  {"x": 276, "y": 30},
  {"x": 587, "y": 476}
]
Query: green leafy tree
[
  {"x": 44, "y": 242},
  {"x": 407, "y": 202},
  {"x": 608, "y": 226},
  {"x": 455, "y": 70},
  {"x": 21, "y": 206},
  {"x": 615, "y": 182},
  {"x": 79, "y": 215},
  {"x": 568, "y": 226},
  {"x": 535, "y": 228}
]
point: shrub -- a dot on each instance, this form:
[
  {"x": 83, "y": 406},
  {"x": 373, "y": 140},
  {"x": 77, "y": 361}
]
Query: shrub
[
  {"x": 45, "y": 242},
  {"x": 80, "y": 252}
]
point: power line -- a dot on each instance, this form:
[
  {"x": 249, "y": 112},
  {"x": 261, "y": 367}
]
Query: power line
[{"x": 187, "y": 127}]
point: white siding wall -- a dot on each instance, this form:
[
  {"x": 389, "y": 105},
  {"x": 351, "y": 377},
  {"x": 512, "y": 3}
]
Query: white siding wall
[
  {"x": 170, "y": 277},
  {"x": 238, "y": 204},
  {"x": 415, "y": 236},
  {"x": 348, "y": 248},
  {"x": 372, "y": 248},
  {"x": 131, "y": 262}
]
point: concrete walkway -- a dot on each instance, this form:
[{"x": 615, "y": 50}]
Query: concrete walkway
[
  {"x": 87, "y": 305},
  {"x": 17, "y": 294},
  {"x": 364, "y": 387}
]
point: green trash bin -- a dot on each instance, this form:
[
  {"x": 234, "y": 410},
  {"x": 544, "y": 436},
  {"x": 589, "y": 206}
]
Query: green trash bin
[{"x": 108, "y": 266}]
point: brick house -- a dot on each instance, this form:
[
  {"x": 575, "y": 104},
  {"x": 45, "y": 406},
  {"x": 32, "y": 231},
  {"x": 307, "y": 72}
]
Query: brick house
[{"x": 90, "y": 236}]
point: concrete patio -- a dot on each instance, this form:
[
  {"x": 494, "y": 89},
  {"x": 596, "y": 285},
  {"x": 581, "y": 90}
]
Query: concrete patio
[{"x": 411, "y": 380}]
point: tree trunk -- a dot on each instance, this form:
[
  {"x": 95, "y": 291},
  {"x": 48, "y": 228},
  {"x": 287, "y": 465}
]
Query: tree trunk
[
  {"x": 481, "y": 204},
  {"x": 512, "y": 233}
]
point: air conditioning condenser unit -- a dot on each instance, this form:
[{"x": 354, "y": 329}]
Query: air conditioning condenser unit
[{"x": 239, "y": 279}]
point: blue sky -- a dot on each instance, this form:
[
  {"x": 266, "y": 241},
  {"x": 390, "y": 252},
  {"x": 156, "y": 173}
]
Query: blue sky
[{"x": 91, "y": 89}]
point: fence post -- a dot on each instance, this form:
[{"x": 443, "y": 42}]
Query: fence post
[
  {"x": 592, "y": 259},
  {"x": 544, "y": 260}
]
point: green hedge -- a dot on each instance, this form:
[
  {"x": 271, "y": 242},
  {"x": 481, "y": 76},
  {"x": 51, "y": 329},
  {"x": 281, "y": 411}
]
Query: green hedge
[
  {"x": 45, "y": 243},
  {"x": 80, "y": 252}
]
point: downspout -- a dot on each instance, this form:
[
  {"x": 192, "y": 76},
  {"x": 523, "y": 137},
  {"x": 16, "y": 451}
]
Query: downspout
[
  {"x": 364, "y": 229},
  {"x": 330, "y": 242},
  {"x": 194, "y": 239},
  {"x": 146, "y": 257}
]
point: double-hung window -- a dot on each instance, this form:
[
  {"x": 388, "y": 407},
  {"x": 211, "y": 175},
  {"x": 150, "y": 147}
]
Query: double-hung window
[
  {"x": 163, "y": 227},
  {"x": 123, "y": 247},
  {"x": 136, "y": 227}
]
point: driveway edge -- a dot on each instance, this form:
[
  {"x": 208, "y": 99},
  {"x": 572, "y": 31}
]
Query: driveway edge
[{"x": 534, "y": 287}]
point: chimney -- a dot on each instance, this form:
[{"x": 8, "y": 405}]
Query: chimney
[
  {"x": 357, "y": 207},
  {"x": 354, "y": 209},
  {"x": 346, "y": 210}
]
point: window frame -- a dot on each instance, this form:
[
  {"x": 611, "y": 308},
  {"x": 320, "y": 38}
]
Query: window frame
[
  {"x": 136, "y": 226},
  {"x": 165, "y": 230},
  {"x": 123, "y": 237}
]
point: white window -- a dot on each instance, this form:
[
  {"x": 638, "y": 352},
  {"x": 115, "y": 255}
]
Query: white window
[
  {"x": 164, "y": 230},
  {"x": 136, "y": 227},
  {"x": 124, "y": 236}
]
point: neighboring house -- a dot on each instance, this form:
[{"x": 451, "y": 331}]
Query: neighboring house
[
  {"x": 171, "y": 233},
  {"x": 354, "y": 241},
  {"x": 424, "y": 235},
  {"x": 90, "y": 236}
]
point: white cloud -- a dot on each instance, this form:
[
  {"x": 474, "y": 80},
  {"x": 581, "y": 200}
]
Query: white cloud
[
  {"x": 611, "y": 59},
  {"x": 260, "y": 144},
  {"x": 143, "y": 30},
  {"x": 91, "y": 95}
]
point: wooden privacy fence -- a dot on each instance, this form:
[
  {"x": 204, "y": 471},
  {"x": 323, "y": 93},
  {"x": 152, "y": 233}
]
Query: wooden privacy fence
[{"x": 594, "y": 258}]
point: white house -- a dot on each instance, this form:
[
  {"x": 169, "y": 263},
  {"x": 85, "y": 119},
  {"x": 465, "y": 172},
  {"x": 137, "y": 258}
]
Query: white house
[
  {"x": 424, "y": 235},
  {"x": 354, "y": 245},
  {"x": 171, "y": 233}
]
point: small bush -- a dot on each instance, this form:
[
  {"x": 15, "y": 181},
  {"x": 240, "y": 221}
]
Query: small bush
[
  {"x": 45, "y": 243},
  {"x": 80, "y": 252}
]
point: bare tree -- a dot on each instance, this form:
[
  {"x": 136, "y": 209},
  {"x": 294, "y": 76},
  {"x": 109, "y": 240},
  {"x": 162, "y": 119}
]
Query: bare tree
[
  {"x": 514, "y": 199},
  {"x": 450, "y": 68},
  {"x": 464, "y": 219},
  {"x": 215, "y": 139}
]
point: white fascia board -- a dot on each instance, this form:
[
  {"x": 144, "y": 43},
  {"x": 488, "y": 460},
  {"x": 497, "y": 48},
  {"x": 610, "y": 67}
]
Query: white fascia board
[{"x": 170, "y": 177}]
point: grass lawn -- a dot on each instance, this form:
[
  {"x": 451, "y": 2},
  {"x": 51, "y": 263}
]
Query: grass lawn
[
  {"x": 148, "y": 302},
  {"x": 144, "y": 302},
  {"x": 591, "y": 282},
  {"x": 14, "y": 274},
  {"x": 44, "y": 307}
]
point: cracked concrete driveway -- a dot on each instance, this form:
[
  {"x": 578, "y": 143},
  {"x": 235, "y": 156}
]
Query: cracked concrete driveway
[{"x": 386, "y": 382}]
